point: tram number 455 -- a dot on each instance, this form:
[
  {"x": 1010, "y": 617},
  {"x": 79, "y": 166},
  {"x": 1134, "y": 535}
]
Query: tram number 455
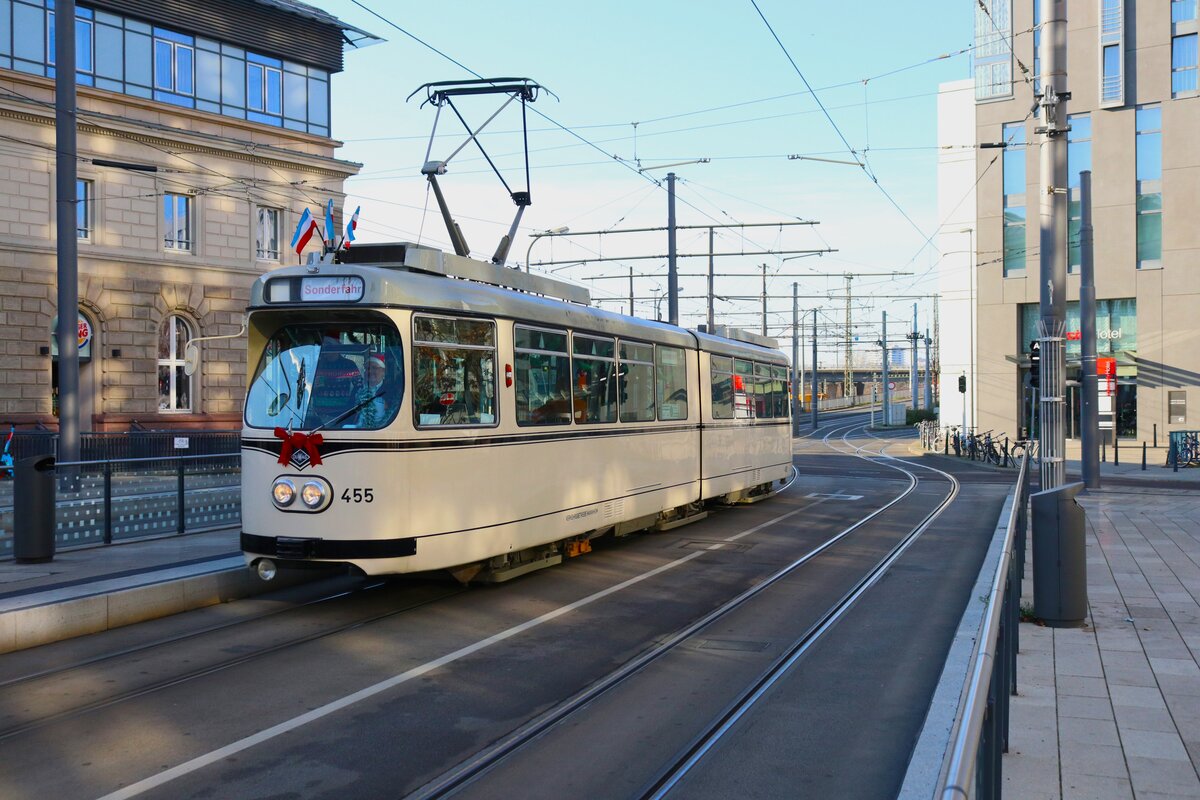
[{"x": 358, "y": 496}]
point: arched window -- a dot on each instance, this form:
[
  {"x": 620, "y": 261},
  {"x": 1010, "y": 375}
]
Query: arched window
[{"x": 174, "y": 386}]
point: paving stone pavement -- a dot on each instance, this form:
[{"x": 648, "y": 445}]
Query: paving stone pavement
[{"x": 1112, "y": 709}]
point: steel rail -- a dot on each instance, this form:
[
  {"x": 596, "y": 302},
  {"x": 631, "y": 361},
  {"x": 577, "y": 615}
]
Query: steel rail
[
  {"x": 703, "y": 744},
  {"x": 472, "y": 768}
]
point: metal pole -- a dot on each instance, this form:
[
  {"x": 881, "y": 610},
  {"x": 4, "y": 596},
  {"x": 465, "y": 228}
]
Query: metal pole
[
  {"x": 1053, "y": 238},
  {"x": 848, "y": 369},
  {"x": 928, "y": 374},
  {"x": 912, "y": 368},
  {"x": 711, "y": 315},
  {"x": 887, "y": 395},
  {"x": 814, "y": 371},
  {"x": 631, "y": 291},
  {"x": 67, "y": 332},
  {"x": 1089, "y": 414},
  {"x": 672, "y": 265},
  {"x": 764, "y": 300},
  {"x": 797, "y": 376}
]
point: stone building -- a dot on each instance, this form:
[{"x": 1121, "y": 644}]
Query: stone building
[
  {"x": 1134, "y": 114},
  {"x": 203, "y": 133}
]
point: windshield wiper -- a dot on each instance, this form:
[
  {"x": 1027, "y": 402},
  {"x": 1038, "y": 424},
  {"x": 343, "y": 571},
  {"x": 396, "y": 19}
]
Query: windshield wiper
[{"x": 372, "y": 398}]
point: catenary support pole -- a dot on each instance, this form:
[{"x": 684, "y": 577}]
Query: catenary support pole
[
  {"x": 814, "y": 371},
  {"x": 914, "y": 397},
  {"x": 797, "y": 374},
  {"x": 1052, "y": 282},
  {"x": 711, "y": 275},
  {"x": 672, "y": 261},
  {"x": 1089, "y": 415},
  {"x": 887, "y": 394},
  {"x": 764, "y": 299},
  {"x": 67, "y": 332},
  {"x": 928, "y": 374}
]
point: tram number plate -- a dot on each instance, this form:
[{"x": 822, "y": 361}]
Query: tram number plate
[{"x": 357, "y": 495}]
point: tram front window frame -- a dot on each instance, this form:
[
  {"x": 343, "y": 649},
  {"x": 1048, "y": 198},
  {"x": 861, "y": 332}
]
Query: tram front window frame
[{"x": 322, "y": 373}]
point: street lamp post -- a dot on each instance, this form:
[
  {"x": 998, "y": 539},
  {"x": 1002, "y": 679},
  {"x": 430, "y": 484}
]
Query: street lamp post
[{"x": 536, "y": 236}]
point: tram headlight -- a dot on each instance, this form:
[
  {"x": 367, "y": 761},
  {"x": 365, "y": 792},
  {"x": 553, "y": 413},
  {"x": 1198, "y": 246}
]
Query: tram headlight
[
  {"x": 283, "y": 492},
  {"x": 312, "y": 494}
]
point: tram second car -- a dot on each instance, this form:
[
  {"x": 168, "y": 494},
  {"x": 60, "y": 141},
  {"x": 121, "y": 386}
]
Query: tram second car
[{"x": 413, "y": 410}]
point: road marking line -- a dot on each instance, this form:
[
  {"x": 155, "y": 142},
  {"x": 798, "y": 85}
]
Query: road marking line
[{"x": 188, "y": 767}]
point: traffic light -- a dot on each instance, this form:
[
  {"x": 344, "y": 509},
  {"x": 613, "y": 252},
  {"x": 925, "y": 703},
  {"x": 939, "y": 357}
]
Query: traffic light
[
  {"x": 1035, "y": 364},
  {"x": 962, "y": 384}
]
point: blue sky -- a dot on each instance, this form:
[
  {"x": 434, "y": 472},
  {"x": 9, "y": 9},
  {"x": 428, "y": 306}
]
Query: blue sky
[{"x": 701, "y": 80}]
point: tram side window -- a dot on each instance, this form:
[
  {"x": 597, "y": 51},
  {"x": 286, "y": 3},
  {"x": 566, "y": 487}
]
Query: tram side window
[
  {"x": 779, "y": 377},
  {"x": 636, "y": 381},
  {"x": 595, "y": 385},
  {"x": 722, "y": 387},
  {"x": 743, "y": 389},
  {"x": 763, "y": 395},
  {"x": 672, "y": 383},
  {"x": 454, "y": 361},
  {"x": 542, "y": 376}
]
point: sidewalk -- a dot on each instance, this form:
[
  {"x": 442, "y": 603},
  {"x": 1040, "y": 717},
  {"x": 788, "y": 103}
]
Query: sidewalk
[
  {"x": 98, "y": 588},
  {"x": 1112, "y": 710}
]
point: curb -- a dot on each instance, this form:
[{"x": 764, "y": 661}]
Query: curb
[{"x": 53, "y": 620}]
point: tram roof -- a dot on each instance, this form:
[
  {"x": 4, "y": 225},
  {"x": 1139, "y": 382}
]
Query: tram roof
[{"x": 393, "y": 285}]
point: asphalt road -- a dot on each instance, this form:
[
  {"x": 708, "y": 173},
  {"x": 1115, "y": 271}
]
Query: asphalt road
[{"x": 384, "y": 689}]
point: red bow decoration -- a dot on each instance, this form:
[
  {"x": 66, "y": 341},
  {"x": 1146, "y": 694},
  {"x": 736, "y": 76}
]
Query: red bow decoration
[{"x": 299, "y": 441}]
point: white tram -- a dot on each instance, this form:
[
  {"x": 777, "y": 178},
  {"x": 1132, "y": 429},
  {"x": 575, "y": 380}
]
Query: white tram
[{"x": 407, "y": 412}]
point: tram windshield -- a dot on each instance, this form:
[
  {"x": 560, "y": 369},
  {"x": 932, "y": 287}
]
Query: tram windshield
[{"x": 329, "y": 376}]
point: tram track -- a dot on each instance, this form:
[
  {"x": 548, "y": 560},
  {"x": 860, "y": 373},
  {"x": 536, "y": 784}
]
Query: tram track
[
  {"x": 28, "y": 684},
  {"x": 843, "y": 427},
  {"x": 474, "y": 769}
]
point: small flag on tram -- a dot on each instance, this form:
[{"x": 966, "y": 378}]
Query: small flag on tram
[
  {"x": 351, "y": 225},
  {"x": 329, "y": 231},
  {"x": 304, "y": 231}
]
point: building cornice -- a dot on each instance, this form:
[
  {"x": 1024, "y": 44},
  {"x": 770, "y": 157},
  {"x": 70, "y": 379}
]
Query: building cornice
[{"x": 180, "y": 139}]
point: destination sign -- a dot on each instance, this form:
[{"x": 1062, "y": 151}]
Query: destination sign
[{"x": 333, "y": 288}]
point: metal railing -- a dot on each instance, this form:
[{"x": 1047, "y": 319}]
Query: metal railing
[
  {"x": 104, "y": 445},
  {"x": 99, "y": 502},
  {"x": 972, "y": 766}
]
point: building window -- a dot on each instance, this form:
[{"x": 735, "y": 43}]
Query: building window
[
  {"x": 83, "y": 45},
  {"x": 177, "y": 221},
  {"x": 264, "y": 88},
  {"x": 1183, "y": 11},
  {"x": 1112, "y": 53},
  {"x": 174, "y": 385},
  {"x": 1149, "y": 187},
  {"x": 1014, "y": 200},
  {"x": 174, "y": 67},
  {"x": 993, "y": 49},
  {"x": 1183, "y": 65},
  {"x": 84, "y": 208},
  {"x": 267, "y": 246},
  {"x": 1079, "y": 159}
]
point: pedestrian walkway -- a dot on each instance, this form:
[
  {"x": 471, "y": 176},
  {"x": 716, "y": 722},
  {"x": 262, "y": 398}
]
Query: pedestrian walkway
[
  {"x": 1112, "y": 709},
  {"x": 94, "y": 589}
]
